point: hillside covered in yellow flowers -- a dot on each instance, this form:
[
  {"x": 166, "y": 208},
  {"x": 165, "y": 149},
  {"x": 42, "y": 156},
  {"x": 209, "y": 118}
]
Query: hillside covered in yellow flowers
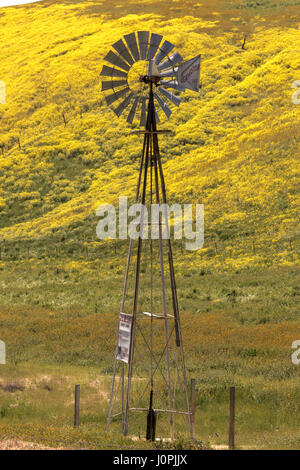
[{"x": 234, "y": 146}]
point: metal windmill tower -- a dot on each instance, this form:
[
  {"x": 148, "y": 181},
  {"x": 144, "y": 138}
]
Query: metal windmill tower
[{"x": 149, "y": 370}]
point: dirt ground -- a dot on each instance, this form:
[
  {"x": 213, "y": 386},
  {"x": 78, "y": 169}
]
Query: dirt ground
[{"x": 16, "y": 444}]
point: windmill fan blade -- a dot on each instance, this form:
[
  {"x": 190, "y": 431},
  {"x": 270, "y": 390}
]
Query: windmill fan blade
[
  {"x": 115, "y": 96},
  {"x": 172, "y": 84},
  {"x": 131, "y": 114},
  {"x": 163, "y": 51},
  {"x": 143, "y": 113},
  {"x": 175, "y": 100},
  {"x": 157, "y": 116},
  {"x": 169, "y": 73},
  {"x": 174, "y": 59},
  {"x": 154, "y": 43},
  {"x": 143, "y": 37},
  {"x": 113, "y": 84},
  {"x": 112, "y": 72},
  {"x": 119, "y": 110},
  {"x": 163, "y": 105},
  {"x": 152, "y": 69},
  {"x": 120, "y": 47},
  {"x": 116, "y": 60},
  {"x": 132, "y": 44},
  {"x": 134, "y": 82}
]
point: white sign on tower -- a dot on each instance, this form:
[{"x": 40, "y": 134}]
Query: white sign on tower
[{"x": 124, "y": 337}]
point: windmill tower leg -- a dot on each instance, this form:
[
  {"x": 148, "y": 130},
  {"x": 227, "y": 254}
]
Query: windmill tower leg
[
  {"x": 146, "y": 151},
  {"x": 172, "y": 276},
  {"x": 166, "y": 323},
  {"x": 111, "y": 399}
]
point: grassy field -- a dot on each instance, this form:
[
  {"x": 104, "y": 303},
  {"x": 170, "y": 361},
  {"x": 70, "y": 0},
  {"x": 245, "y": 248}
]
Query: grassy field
[
  {"x": 235, "y": 146},
  {"x": 60, "y": 331}
]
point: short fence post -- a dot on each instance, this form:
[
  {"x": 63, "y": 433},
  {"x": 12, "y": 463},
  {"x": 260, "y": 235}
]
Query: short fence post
[
  {"x": 231, "y": 418},
  {"x": 193, "y": 408},
  {"x": 76, "y": 410}
]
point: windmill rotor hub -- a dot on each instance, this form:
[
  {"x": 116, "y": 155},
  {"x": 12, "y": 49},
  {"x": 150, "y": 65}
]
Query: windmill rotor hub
[{"x": 150, "y": 79}]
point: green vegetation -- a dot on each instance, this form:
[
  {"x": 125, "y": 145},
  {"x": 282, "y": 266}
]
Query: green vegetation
[{"x": 61, "y": 331}]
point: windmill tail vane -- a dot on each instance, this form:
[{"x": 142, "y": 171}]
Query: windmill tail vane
[{"x": 149, "y": 373}]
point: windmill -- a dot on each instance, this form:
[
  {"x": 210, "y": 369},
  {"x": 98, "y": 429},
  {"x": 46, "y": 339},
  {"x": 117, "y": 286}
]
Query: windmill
[{"x": 149, "y": 372}]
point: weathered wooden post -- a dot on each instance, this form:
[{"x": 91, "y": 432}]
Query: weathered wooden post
[
  {"x": 77, "y": 400},
  {"x": 193, "y": 407},
  {"x": 2, "y": 352},
  {"x": 231, "y": 417}
]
